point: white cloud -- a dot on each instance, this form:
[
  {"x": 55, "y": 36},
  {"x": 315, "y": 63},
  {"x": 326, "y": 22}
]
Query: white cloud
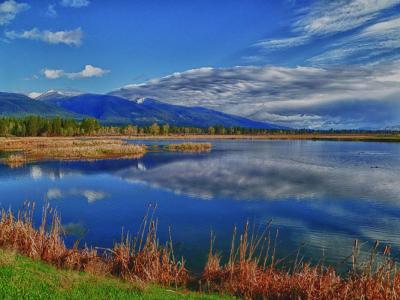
[
  {"x": 53, "y": 74},
  {"x": 327, "y": 18},
  {"x": 339, "y": 16},
  {"x": 282, "y": 43},
  {"x": 68, "y": 37},
  {"x": 51, "y": 11},
  {"x": 87, "y": 72},
  {"x": 349, "y": 96},
  {"x": 75, "y": 3},
  {"x": 374, "y": 41},
  {"x": 383, "y": 27},
  {"x": 10, "y": 9}
]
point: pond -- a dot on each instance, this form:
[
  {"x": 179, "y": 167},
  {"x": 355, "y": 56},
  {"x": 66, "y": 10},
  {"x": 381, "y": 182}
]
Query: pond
[{"x": 320, "y": 195}]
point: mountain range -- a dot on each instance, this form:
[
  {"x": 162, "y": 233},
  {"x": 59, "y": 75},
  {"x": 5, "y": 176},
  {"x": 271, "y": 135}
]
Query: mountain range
[
  {"x": 12, "y": 104},
  {"x": 113, "y": 110}
]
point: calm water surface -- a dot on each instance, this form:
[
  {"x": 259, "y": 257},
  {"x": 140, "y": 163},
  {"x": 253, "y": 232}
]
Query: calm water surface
[{"x": 322, "y": 194}]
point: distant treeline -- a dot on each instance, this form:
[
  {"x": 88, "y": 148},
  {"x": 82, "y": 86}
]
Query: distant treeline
[{"x": 39, "y": 126}]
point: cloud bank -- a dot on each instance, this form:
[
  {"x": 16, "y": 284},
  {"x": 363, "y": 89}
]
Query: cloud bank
[
  {"x": 373, "y": 42},
  {"x": 326, "y": 18},
  {"x": 67, "y": 37},
  {"x": 312, "y": 97},
  {"x": 343, "y": 31},
  {"x": 87, "y": 72},
  {"x": 10, "y": 9}
]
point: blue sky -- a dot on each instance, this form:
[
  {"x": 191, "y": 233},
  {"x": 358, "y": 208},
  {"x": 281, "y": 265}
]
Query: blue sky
[{"x": 316, "y": 64}]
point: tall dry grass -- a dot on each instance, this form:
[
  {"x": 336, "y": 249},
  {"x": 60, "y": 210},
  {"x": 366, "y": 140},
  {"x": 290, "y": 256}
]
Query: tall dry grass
[
  {"x": 251, "y": 272},
  {"x": 142, "y": 258},
  {"x": 138, "y": 259}
]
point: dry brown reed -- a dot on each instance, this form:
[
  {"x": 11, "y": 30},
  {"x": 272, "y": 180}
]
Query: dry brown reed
[
  {"x": 141, "y": 259},
  {"x": 189, "y": 147},
  {"x": 18, "y": 233},
  {"x": 34, "y": 149},
  {"x": 251, "y": 272}
]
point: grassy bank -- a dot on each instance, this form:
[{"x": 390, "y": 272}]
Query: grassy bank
[{"x": 24, "y": 278}]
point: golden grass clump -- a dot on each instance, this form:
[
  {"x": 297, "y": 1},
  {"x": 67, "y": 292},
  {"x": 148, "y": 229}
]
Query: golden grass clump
[
  {"x": 34, "y": 149},
  {"x": 190, "y": 147},
  {"x": 257, "y": 277},
  {"x": 18, "y": 233},
  {"x": 142, "y": 259}
]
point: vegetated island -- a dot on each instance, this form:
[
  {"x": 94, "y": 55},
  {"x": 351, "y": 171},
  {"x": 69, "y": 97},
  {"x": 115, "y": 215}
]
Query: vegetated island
[
  {"x": 25, "y": 150},
  {"x": 252, "y": 271},
  {"x": 189, "y": 147}
]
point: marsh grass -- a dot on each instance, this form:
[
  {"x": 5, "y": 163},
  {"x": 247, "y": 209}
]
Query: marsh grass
[
  {"x": 252, "y": 272},
  {"x": 35, "y": 149},
  {"x": 189, "y": 147},
  {"x": 140, "y": 259}
]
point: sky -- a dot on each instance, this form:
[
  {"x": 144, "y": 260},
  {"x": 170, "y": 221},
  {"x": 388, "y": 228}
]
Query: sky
[{"x": 303, "y": 64}]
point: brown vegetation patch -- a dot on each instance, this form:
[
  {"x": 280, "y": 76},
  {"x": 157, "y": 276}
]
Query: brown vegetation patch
[
  {"x": 34, "y": 149},
  {"x": 141, "y": 259},
  {"x": 256, "y": 276},
  {"x": 190, "y": 147}
]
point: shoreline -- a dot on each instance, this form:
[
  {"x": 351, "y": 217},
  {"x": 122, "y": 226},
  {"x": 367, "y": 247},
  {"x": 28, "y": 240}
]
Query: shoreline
[
  {"x": 294, "y": 137},
  {"x": 316, "y": 136}
]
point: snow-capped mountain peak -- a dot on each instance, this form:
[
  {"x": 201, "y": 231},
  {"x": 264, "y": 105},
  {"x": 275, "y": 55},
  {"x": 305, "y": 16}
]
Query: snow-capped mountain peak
[
  {"x": 140, "y": 100},
  {"x": 53, "y": 94}
]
